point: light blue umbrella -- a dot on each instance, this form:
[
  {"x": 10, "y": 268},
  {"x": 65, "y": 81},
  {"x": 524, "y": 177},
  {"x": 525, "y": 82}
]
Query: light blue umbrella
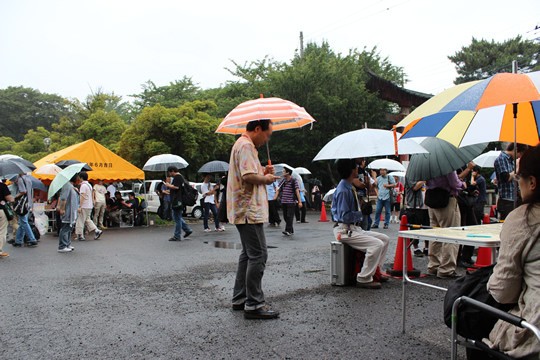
[{"x": 63, "y": 177}]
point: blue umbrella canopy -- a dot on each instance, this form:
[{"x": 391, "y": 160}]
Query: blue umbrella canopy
[{"x": 11, "y": 166}]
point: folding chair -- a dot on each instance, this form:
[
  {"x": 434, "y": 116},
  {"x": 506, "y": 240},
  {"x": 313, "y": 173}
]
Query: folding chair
[{"x": 479, "y": 345}]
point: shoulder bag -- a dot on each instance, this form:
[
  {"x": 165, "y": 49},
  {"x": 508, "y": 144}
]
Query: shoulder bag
[
  {"x": 437, "y": 198},
  {"x": 21, "y": 205}
]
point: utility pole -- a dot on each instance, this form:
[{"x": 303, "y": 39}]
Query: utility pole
[{"x": 301, "y": 44}]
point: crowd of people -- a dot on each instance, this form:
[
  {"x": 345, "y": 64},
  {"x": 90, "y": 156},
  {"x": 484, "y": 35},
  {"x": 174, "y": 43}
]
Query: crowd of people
[
  {"x": 78, "y": 209},
  {"x": 251, "y": 194}
]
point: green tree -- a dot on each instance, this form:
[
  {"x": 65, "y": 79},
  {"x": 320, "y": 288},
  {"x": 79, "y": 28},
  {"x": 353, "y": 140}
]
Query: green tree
[
  {"x": 331, "y": 87},
  {"x": 175, "y": 94},
  {"x": 22, "y": 109},
  {"x": 482, "y": 58},
  {"x": 187, "y": 130},
  {"x": 32, "y": 146},
  {"x": 104, "y": 127},
  {"x": 6, "y": 144}
]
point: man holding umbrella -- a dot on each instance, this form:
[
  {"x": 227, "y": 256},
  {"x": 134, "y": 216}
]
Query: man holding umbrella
[
  {"x": 68, "y": 207},
  {"x": 247, "y": 208}
]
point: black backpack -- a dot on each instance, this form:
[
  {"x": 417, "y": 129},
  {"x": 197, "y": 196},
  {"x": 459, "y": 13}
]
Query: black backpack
[
  {"x": 189, "y": 194},
  {"x": 471, "y": 322}
]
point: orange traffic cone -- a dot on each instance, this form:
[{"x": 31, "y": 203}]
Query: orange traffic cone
[
  {"x": 323, "y": 213},
  {"x": 486, "y": 219},
  {"x": 483, "y": 258},
  {"x": 398, "y": 259}
]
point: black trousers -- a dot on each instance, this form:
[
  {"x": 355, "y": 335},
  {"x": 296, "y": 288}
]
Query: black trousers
[
  {"x": 300, "y": 214},
  {"x": 273, "y": 214},
  {"x": 288, "y": 215}
]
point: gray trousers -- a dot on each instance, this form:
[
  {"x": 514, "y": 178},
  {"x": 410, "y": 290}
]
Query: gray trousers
[{"x": 251, "y": 265}]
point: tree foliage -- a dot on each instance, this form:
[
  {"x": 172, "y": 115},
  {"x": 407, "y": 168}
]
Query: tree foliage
[
  {"x": 32, "y": 146},
  {"x": 482, "y": 58},
  {"x": 22, "y": 109},
  {"x": 187, "y": 130},
  {"x": 331, "y": 87},
  {"x": 173, "y": 95}
]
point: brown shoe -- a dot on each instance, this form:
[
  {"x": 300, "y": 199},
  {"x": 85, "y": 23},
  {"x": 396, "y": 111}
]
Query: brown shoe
[
  {"x": 3, "y": 254},
  {"x": 369, "y": 285}
]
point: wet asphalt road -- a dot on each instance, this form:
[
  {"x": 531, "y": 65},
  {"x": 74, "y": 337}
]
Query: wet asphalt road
[{"x": 135, "y": 295}]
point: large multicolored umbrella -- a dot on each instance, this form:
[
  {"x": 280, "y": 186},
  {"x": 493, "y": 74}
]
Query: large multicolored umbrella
[
  {"x": 503, "y": 107},
  {"x": 284, "y": 115}
]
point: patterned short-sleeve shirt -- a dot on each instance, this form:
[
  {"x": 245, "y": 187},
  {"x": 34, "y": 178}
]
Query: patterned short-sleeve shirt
[{"x": 246, "y": 203}]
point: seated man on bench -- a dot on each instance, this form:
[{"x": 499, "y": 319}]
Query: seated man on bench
[{"x": 346, "y": 213}]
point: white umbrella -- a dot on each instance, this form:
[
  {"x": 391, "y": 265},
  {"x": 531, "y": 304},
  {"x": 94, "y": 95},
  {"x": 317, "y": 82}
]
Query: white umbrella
[
  {"x": 163, "y": 161},
  {"x": 329, "y": 195},
  {"x": 48, "y": 169},
  {"x": 278, "y": 169},
  {"x": 302, "y": 171},
  {"x": 388, "y": 164},
  {"x": 487, "y": 159},
  {"x": 397, "y": 173},
  {"x": 366, "y": 143}
]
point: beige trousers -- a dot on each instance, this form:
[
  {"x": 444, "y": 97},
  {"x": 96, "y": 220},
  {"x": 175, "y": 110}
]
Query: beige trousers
[
  {"x": 374, "y": 244},
  {"x": 443, "y": 256},
  {"x": 99, "y": 212},
  {"x": 82, "y": 220},
  {"x": 3, "y": 229}
]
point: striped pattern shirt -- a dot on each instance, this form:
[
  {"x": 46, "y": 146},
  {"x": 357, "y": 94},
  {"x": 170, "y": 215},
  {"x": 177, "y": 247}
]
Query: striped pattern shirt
[{"x": 288, "y": 191}]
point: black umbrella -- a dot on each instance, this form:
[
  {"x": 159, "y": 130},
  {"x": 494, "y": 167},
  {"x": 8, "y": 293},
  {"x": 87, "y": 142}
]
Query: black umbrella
[
  {"x": 213, "y": 167},
  {"x": 65, "y": 163},
  {"x": 442, "y": 159},
  {"x": 10, "y": 166},
  {"x": 18, "y": 159}
]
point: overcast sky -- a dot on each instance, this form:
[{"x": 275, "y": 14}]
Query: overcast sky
[{"x": 71, "y": 47}]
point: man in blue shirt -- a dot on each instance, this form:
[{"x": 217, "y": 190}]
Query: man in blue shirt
[
  {"x": 346, "y": 213},
  {"x": 385, "y": 184}
]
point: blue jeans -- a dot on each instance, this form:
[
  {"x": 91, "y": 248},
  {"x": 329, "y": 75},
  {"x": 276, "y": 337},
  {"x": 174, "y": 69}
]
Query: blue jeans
[
  {"x": 64, "y": 237},
  {"x": 24, "y": 228},
  {"x": 177, "y": 217},
  {"x": 378, "y": 210},
  {"x": 207, "y": 208},
  {"x": 186, "y": 227}
]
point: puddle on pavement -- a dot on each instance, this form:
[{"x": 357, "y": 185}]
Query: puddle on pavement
[{"x": 229, "y": 244}]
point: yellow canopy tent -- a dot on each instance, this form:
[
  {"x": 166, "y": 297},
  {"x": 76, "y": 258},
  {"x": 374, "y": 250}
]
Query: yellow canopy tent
[{"x": 105, "y": 164}]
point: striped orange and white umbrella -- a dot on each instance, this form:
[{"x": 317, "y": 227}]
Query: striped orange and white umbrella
[{"x": 284, "y": 115}]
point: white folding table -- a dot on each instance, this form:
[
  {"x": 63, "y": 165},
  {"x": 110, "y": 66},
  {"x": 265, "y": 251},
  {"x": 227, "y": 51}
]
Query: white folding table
[{"x": 477, "y": 235}]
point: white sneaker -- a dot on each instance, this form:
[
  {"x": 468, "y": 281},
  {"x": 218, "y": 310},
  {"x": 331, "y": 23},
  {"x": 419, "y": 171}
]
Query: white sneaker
[
  {"x": 97, "y": 234},
  {"x": 207, "y": 230},
  {"x": 65, "y": 250},
  {"x": 71, "y": 247}
]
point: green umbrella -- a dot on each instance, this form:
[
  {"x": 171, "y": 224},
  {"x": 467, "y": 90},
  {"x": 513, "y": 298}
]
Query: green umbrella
[
  {"x": 442, "y": 158},
  {"x": 63, "y": 177}
]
